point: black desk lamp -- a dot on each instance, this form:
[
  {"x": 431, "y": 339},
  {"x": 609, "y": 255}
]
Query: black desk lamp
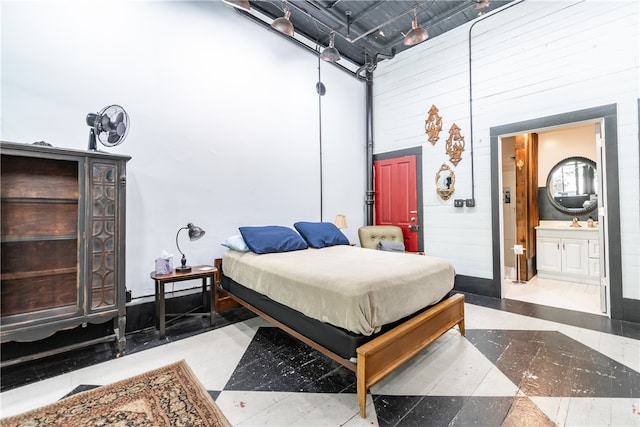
[{"x": 195, "y": 233}]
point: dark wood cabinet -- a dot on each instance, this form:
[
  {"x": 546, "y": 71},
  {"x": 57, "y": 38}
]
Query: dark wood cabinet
[{"x": 62, "y": 236}]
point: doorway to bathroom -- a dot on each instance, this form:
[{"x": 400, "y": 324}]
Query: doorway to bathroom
[
  {"x": 604, "y": 122},
  {"x": 551, "y": 241}
]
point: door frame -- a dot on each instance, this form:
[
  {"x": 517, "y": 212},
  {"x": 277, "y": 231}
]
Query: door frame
[
  {"x": 606, "y": 113},
  {"x": 417, "y": 153}
]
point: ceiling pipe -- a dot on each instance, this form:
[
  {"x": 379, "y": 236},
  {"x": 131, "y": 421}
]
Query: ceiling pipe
[
  {"x": 369, "y": 67},
  {"x": 371, "y": 64},
  {"x": 370, "y": 193},
  {"x": 321, "y": 91}
]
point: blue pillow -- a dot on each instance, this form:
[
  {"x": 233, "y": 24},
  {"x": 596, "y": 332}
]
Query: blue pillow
[
  {"x": 321, "y": 234},
  {"x": 236, "y": 243},
  {"x": 272, "y": 238}
]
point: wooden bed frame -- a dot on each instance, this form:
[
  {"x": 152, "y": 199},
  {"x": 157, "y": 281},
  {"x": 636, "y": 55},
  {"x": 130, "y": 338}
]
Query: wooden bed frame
[{"x": 380, "y": 356}]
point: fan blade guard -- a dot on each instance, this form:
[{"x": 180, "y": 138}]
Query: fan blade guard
[{"x": 110, "y": 126}]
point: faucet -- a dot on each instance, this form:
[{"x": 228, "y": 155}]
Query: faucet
[{"x": 574, "y": 223}]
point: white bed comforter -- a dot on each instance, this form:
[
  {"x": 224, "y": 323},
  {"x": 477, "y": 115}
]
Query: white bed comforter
[{"x": 354, "y": 288}]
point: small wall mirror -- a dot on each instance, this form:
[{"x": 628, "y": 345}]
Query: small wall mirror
[
  {"x": 445, "y": 182},
  {"x": 572, "y": 186}
]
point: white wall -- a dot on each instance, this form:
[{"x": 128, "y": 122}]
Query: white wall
[
  {"x": 534, "y": 59},
  {"x": 224, "y": 116}
]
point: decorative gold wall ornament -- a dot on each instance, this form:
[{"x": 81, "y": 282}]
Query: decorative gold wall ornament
[
  {"x": 433, "y": 125},
  {"x": 455, "y": 145},
  {"x": 445, "y": 182}
]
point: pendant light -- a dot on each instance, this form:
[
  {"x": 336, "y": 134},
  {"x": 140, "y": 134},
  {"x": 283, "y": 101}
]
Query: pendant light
[
  {"x": 416, "y": 34},
  {"x": 330, "y": 53},
  {"x": 283, "y": 24}
]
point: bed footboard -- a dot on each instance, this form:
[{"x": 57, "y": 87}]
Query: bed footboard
[{"x": 379, "y": 357}]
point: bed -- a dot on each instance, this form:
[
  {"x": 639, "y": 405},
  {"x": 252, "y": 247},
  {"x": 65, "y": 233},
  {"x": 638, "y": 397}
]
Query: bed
[{"x": 368, "y": 310}]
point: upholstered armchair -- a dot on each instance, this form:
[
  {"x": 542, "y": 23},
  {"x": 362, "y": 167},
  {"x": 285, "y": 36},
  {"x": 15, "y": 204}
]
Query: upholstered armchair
[{"x": 386, "y": 237}]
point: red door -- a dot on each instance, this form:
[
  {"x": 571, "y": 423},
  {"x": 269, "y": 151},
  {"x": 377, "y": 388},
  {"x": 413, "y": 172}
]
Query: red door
[{"x": 396, "y": 197}]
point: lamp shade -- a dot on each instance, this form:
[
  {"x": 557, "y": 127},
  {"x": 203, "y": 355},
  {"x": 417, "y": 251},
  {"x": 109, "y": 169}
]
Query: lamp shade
[
  {"x": 341, "y": 221},
  {"x": 330, "y": 53},
  {"x": 195, "y": 233},
  {"x": 283, "y": 24},
  {"x": 416, "y": 34}
]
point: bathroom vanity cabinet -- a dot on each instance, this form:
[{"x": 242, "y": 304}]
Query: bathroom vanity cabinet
[{"x": 570, "y": 254}]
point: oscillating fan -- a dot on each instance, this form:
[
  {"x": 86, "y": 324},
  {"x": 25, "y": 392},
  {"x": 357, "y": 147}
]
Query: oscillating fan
[{"x": 110, "y": 126}]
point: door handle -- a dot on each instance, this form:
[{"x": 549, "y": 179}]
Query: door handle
[
  {"x": 412, "y": 212},
  {"x": 414, "y": 227},
  {"x": 413, "y": 218}
]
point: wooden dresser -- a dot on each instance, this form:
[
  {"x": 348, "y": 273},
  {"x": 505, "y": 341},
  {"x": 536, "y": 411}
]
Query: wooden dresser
[{"x": 62, "y": 236}]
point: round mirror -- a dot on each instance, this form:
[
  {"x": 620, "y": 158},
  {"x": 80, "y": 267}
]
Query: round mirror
[{"x": 572, "y": 186}]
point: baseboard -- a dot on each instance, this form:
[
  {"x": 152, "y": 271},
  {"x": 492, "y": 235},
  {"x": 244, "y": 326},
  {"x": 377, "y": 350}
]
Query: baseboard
[
  {"x": 631, "y": 310},
  {"x": 476, "y": 285},
  {"x": 141, "y": 313}
]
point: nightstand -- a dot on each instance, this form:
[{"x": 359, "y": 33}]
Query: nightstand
[{"x": 197, "y": 272}]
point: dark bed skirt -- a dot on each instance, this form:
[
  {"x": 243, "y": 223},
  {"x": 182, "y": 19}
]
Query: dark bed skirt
[{"x": 338, "y": 340}]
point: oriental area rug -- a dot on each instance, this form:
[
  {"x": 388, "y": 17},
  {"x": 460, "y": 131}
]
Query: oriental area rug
[{"x": 168, "y": 396}]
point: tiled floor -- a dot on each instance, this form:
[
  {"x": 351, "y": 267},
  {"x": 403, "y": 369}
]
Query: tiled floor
[
  {"x": 520, "y": 364},
  {"x": 555, "y": 293}
]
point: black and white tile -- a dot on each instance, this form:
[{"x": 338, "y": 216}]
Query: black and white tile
[{"x": 509, "y": 370}]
